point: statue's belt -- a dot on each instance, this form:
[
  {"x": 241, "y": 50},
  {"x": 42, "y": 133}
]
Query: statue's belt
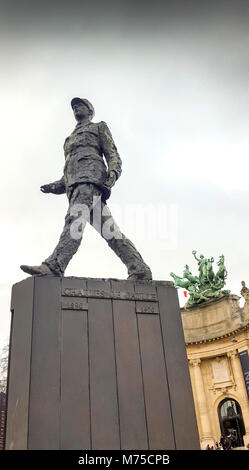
[{"x": 87, "y": 154}]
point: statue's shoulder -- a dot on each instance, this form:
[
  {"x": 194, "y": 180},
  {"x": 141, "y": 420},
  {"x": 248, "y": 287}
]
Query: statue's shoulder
[
  {"x": 102, "y": 125},
  {"x": 97, "y": 126}
]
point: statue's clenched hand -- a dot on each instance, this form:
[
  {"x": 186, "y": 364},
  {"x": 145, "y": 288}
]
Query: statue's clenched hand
[
  {"x": 47, "y": 188},
  {"x": 111, "y": 180}
]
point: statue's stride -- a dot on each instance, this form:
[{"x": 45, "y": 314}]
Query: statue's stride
[
  {"x": 87, "y": 181},
  {"x": 207, "y": 285}
]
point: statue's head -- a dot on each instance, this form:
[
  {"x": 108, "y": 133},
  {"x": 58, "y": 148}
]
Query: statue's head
[
  {"x": 243, "y": 283},
  {"x": 201, "y": 256},
  {"x": 82, "y": 109}
]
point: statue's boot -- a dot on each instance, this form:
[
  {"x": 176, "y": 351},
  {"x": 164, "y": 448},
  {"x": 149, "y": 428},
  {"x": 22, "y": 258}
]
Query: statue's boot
[
  {"x": 141, "y": 276},
  {"x": 42, "y": 270}
]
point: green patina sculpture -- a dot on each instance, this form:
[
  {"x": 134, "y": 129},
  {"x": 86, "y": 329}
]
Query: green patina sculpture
[{"x": 207, "y": 285}]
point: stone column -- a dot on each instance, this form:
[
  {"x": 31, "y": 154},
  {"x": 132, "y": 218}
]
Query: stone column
[
  {"x": 241, "y": 390},
  {"x": 205, "y": 427}
]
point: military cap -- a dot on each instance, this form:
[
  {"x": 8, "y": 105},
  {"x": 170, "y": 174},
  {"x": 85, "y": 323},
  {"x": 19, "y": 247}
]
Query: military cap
[{"x": 86, "y": 102}]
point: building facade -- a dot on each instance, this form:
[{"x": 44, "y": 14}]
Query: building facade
[{"x": 217, "y": 337}]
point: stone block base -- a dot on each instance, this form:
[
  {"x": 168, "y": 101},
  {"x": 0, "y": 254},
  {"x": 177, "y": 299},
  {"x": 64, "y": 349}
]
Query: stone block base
[{"x": 98, "y": 364}]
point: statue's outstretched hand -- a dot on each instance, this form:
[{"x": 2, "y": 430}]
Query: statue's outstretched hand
[
  {"x": 111, "y": 180},
  {"x": 47, "y": 188}
]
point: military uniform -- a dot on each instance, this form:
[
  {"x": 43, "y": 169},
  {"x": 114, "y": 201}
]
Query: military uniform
[
  {"x": 84, "y": 162},
  {"x": 85, "y": 175}
]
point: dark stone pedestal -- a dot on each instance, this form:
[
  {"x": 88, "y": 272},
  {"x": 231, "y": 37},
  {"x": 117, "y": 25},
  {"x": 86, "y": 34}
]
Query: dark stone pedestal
[{"x": 98, "y": 364}]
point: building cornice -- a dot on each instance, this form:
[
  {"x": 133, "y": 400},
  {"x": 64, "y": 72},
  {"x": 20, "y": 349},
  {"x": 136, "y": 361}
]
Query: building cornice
[{"x": 217, "y": 338}]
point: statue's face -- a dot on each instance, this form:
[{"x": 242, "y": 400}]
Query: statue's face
[{"x": 80, "y": 111}]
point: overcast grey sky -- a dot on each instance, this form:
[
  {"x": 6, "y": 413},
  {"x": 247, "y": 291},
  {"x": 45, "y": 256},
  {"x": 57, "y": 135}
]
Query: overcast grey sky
[{"x": 171, "y": 81}]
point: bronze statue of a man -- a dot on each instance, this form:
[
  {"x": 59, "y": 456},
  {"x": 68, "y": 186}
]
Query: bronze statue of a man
[{"x": 86, "y": 180}]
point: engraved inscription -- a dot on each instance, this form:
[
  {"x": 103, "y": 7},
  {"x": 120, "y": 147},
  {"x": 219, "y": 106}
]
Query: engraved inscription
[
  {"x": 220, "y": 370},
  {"x": 143, "y": 307},
  {"x": 71, "y": 304},
  {"x": 97, "y": 293}
]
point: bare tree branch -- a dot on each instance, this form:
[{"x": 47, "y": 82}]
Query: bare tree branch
[{"x": 4, "y": 356}]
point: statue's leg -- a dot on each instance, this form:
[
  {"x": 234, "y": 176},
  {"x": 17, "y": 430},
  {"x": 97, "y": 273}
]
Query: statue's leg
[
  {"x": 68, "y": 245},
  {"x": 90, "y": 196},
  {"x": 121, "y": 245},
  {"x": 65, "y": 249}
]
